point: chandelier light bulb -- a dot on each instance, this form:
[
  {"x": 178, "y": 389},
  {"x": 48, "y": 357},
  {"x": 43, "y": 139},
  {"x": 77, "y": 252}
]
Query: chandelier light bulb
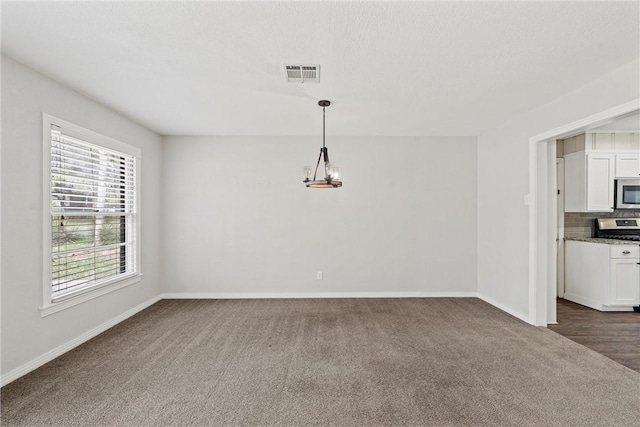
[
  {"x": 307, "y": 173},
  {"x": 336, "y": 172},
  {"x": 328, "y": 171}
]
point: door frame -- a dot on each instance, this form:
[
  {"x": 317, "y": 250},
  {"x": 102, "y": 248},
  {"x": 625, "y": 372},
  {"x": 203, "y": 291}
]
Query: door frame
[
  {"x": 560, "y": 228},
  {"x": 540, "y": 257}
]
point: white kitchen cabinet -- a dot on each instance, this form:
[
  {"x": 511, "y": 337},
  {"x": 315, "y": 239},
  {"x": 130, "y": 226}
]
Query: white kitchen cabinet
[
  {"x": 628, "y": 165},
  {"x": 601, "y": 276},
  {"x": 607, "y": 141},
  {"x": 589, "y": 182},
  {"x": 623, "y": 141},
  {"x": 600, "y": 182},
  {"x": 624, "y": 283},
  {"x": 603, "y": 141}
]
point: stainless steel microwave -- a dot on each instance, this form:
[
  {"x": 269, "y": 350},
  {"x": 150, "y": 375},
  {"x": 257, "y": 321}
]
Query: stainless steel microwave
[{"x": 628, "y": 193}]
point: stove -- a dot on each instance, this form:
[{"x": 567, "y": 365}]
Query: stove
[{"x": 618, "y": 228}]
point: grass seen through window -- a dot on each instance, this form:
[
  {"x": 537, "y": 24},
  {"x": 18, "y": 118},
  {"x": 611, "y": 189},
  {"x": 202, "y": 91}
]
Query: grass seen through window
[{"x": 86, "y": 248}]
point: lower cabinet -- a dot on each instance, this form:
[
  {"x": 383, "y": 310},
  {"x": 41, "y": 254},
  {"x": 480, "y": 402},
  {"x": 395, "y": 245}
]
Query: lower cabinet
[
  {"x": 602, "y": 276},
  {"x": 624, "y": 285}
]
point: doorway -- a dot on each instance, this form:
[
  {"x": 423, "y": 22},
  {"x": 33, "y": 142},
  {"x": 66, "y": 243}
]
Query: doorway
[{"x": 543, "y": 210}]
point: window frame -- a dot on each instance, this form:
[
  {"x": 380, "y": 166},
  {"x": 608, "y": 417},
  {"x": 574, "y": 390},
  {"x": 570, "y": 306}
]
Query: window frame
[{"x": 48, "y": 305}]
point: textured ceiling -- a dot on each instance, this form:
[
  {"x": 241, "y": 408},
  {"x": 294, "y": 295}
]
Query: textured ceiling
[{"x": 411, "y": 68}]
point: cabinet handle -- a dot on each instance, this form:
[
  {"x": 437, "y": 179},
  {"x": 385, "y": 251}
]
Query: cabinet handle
[{"x": 626, "y": 252}]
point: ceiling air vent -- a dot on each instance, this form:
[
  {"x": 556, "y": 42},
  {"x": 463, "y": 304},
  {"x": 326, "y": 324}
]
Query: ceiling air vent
[{"x": 303, "y": 73}]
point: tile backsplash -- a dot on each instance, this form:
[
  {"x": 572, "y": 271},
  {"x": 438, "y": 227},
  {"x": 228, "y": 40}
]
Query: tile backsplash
[{"x": 581, "y": 225}]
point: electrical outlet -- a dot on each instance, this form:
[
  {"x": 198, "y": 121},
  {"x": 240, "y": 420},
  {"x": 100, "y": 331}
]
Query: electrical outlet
[{"x": 319, "y": 275}]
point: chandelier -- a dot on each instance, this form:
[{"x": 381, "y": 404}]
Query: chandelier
[{"x": 331, "y": 172}]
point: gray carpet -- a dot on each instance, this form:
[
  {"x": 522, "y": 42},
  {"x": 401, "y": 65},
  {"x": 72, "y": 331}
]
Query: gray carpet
[{"x": 344, "y": 362}]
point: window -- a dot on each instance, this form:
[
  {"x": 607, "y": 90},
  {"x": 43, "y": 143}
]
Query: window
[{"x": 91, "y": 213}]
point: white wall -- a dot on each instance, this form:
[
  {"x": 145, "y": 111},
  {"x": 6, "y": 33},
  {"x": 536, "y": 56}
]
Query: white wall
[
  {"x": 503, "y": 180},
  {"x": 25, "y": 95},
  {"x": 241, "y": 221}
]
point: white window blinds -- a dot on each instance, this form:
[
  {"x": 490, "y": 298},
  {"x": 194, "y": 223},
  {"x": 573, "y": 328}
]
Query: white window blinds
[{"x": 93, "y": 214}]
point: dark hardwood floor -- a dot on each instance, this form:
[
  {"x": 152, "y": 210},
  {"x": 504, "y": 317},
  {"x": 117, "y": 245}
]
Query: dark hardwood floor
[{"x": 613, "y": 334}]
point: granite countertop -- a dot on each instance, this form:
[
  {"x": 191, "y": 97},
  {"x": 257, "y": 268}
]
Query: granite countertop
[{"x": 603, "y": 241}]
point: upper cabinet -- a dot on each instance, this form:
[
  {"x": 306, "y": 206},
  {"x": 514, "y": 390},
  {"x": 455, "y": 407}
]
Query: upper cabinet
[
  {"x": 589, "y": 182},
  {"x": 616, "y": 142},
  {"x": 612, "y": 141},
  {"x": 593, "y": 161},
  {"x": 628, "y": 165}
]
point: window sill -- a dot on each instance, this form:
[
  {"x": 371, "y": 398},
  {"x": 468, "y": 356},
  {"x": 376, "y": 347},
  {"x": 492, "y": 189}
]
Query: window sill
[{"x": 90, "y": 294}]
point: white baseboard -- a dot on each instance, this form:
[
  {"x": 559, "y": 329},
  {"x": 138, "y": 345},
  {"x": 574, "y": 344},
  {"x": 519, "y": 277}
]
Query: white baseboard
[
  {"x": 70, "y": 345},
  {"x": 276, "y": 295},
  {"x": 587, "y": 302},
  {"x": 496, "y": 304}
]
